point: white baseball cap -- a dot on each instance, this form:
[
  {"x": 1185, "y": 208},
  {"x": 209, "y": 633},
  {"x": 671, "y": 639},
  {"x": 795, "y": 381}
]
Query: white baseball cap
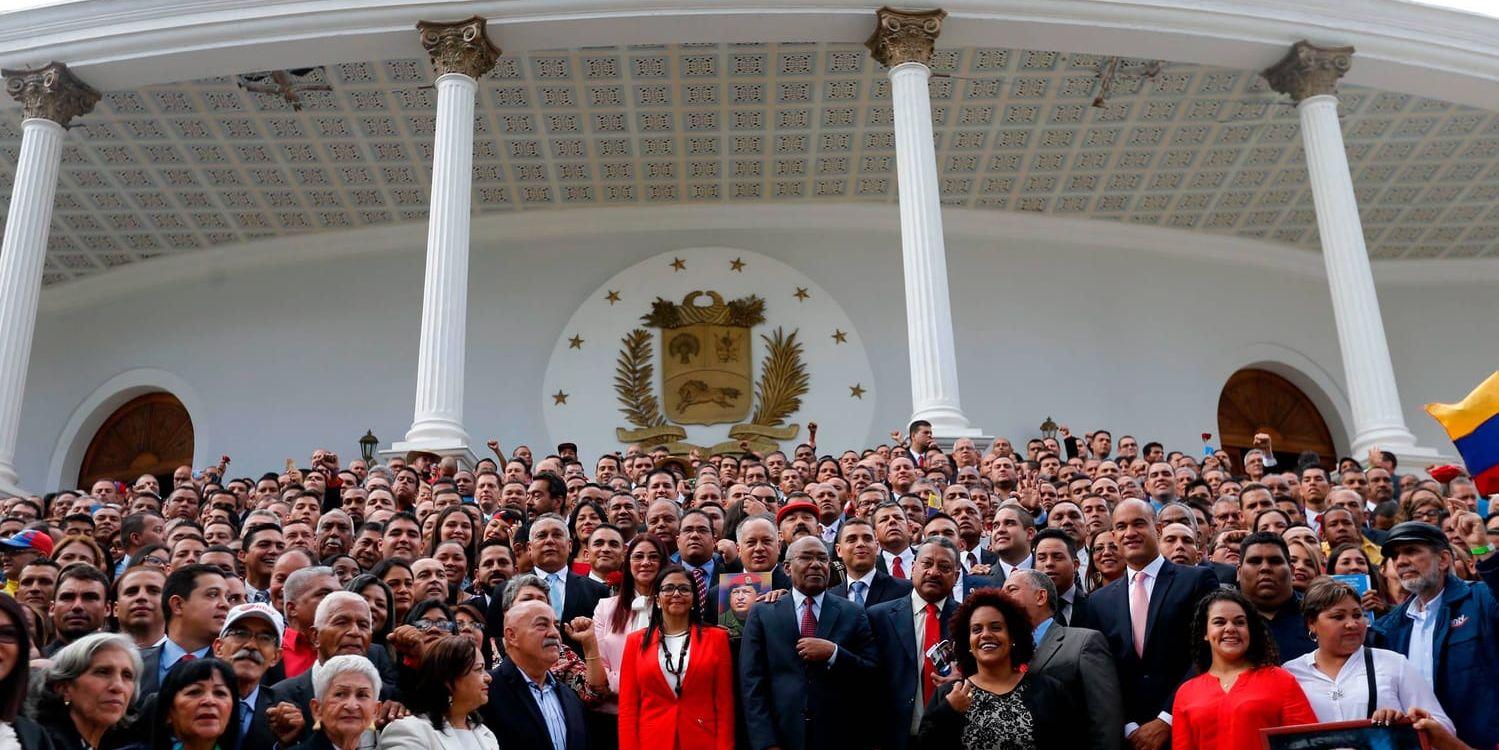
[{"x": 256, "y": 609}]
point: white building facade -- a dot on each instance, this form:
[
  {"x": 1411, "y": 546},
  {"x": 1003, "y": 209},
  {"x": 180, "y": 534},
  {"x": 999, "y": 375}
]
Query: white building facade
[{"x": 1097, "y": 216}]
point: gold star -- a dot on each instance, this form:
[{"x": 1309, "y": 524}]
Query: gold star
[
  {"x": 839, "y": 337},
  {"x": 737, "y": 264},
  {"x": 801, "y": 294},
  {"x": 559, "y": 398},
  {"x": 612, "y": 296},
  {"x": 677, "y": 264},
  {"x": 856, "y": 391},
  {"x": 576, "y": 342}
]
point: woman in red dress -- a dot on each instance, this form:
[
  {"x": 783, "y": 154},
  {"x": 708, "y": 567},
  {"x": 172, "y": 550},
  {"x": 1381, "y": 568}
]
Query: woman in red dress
[{"x": 1240, "y": 689}]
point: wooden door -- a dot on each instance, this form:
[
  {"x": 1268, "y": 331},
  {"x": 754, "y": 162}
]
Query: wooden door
[
  {"x": 151, "y": 434},
  {"x": 1261, "y": 401}
]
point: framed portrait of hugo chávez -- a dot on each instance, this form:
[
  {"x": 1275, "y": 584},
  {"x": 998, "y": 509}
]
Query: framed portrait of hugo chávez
[{"x": 1344, "y": 735}]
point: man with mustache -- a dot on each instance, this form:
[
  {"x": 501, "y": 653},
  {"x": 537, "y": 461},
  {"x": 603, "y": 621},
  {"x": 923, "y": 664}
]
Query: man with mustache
[
  {"x": 250, "y": 643},
  {"x": 523, "y": 689}
]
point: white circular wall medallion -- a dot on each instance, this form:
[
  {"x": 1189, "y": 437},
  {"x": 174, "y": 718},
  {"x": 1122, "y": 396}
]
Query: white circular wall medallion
[{"x": 705, "y": 348}]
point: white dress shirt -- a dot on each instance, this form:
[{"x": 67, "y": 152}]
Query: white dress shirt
[
  {"x": 1397, "y": 683},
  {"x": 867, "y": 579},
  {"x": 1005, "y": 569},
  {"x": 797, "y": 598},
  {"x": 918, "y": 621},
  {"x": 1152, "y": 573},
  {"x": 907, "y": 559}
]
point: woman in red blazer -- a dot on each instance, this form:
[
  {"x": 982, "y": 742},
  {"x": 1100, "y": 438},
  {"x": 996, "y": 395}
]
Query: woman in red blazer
[{"x": 676, "y": 681}]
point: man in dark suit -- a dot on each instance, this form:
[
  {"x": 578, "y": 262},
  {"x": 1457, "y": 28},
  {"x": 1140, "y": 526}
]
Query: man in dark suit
[
  {"x": 1146, "y": 615},
  {"x": 695, "y": 553},
  {"x": 1079, "y": 658},
  {"x": 572, "y": 595},
  {"x": 805, "y": 661},
  {"x": 528, "y": 707},
  {"x": 1055, "y": 553},
  {"x": 192, "y": 598},
  {"x": 866, "y": 584},
  {"x": 904, "y": 629},
  {"x": 943, "y": 525}
]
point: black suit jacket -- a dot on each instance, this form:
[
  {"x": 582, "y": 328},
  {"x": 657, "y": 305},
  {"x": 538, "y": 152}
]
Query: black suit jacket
[
  {"x": 259, "y": 736},
  {"x": 883, "y": 588},
  {"x": 150, "y": 672},
  {"x": 798, "y": 705},
  {"x": 894, "y": 628},
  {"x": 1080, "y": 616},
  {"x": 515, "y": 719},
  {"x": 1149, "y": 682}
]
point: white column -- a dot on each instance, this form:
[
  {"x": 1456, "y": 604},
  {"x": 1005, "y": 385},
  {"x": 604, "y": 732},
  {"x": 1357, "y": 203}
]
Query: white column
[
  {"x": 438, "y": 422},
  {"x": 51, "y": 97},
  {"x": 21, "y": 255},
  {"x": 461, "y": 53},
  {"x": 1309, "y": 74},
  {"x": 1372, "y": 395},
  {"x": 904, "y": 41}
]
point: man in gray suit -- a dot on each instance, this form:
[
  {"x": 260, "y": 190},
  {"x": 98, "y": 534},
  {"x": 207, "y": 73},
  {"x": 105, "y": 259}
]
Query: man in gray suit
[{"x": 1078, "y": 657}]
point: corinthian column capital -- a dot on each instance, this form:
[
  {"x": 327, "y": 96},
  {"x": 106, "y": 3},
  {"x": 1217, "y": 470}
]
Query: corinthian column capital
[
  {"x": 1308, "y": 70},
  {"x": 51, "y": 92},
  {"x": 902, "y": 36},
  {"x": 458, "y": 47}
]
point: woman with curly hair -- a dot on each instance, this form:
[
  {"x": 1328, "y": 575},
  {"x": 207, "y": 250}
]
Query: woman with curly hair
[
  {"x": 1000, "y": 706},
  {"x": 1240, "y": 689}
]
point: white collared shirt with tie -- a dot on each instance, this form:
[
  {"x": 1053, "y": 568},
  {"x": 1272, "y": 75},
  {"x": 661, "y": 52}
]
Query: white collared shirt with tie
[
  {"x": 556, "y": 587},
  {"x": 1151, "y": 573}
]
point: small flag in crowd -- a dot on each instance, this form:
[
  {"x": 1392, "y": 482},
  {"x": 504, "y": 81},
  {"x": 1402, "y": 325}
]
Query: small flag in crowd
[{"x": 1473, "y": 425}]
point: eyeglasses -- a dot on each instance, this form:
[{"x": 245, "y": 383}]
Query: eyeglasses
[
  {"x": 151, "y": 561},
  {"x": 675, "y": 589},
  {"x": 10, "y": 636},
  {"x": 268, "y": 640},
  {"x": 425, "y": 625}
]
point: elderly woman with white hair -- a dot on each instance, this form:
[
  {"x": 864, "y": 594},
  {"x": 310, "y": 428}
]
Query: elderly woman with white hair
[
  {"x": 84, "y": 694},
  {"x": 346, "y": 694}
]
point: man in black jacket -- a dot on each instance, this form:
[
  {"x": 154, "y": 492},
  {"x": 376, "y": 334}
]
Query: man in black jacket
[{"x": 528, "y": 707}]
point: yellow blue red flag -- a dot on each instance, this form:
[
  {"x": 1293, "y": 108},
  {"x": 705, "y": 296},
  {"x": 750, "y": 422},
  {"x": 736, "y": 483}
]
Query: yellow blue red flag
[{"x": 1473, "y": 425}]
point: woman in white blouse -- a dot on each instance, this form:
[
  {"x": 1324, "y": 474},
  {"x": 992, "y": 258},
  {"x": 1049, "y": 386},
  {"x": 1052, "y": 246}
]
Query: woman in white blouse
[
  {"x": 615, "y": 618},
  {"x": 1336, "y": 677}
]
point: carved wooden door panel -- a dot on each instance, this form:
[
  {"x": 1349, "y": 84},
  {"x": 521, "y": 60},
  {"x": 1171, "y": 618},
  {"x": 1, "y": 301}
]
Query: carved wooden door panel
[
  {"x": 151, "y": 434},
  {"x": 1261, "y": 401}
]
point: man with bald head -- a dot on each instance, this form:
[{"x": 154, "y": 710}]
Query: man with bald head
[
  {"x": 824, "y": 673},
  {"x": 528, "y": 707},
  {"x": 1146, "y": 615}
]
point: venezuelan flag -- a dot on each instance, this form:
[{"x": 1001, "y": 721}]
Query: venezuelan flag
[{"x": 1473, "y": 425}]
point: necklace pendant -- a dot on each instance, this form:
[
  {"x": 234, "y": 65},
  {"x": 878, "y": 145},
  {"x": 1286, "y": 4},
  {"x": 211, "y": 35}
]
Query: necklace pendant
[{"x": 1335, "y": 694}]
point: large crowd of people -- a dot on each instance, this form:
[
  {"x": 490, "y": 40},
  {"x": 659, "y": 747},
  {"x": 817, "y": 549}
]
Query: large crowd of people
[{"x": 1075, "y": 592}]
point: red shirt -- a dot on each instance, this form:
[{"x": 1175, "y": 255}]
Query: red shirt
[
  {"x": 1205, "y": 717},
  {"x": 297, "y": 653}
]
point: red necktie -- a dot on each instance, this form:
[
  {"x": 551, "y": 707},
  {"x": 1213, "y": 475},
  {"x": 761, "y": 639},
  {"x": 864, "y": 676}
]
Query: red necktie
[
  {"x": 809, "y": 620},
  {"x": 933, "y": 634},
  {"x": 897, "y": 568}
]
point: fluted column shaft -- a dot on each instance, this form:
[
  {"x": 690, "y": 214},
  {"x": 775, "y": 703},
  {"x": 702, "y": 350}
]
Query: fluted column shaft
[
  {"x": 438, "y": 419},
  {"x": 21, "y": 256},
  {"x": 1372, "y": 395},
  {"x": 929, "y": 326}
]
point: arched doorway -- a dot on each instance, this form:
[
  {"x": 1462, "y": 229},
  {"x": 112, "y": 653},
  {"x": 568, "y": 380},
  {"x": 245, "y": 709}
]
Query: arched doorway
[
  {"x": 1260, "y": 401},
  {"x": 150, "y": 434}
]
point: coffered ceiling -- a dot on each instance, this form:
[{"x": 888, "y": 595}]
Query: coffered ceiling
[{"x": 181, "y": 167}]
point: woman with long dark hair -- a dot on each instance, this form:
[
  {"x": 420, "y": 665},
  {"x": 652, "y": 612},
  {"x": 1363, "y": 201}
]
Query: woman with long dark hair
[
  {"x": 15, "y": 653},
  {"x": 382, "y": 603},
  {"x": 1240, "y": 690},
  {"x": 677, "y": 680},
  {"x": 444, "y": 702},
  {"x": 615, "y": 617}
]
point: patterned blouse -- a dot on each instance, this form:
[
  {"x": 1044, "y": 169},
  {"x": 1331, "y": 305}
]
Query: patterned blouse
[{"x": 999, "y": 722}]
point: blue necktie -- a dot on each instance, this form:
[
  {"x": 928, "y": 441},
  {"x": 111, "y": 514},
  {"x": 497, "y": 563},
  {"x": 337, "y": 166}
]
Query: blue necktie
[
  {"x": 858, "y": 587},
  {"x": 555, "y": 580},
  {"x": 246, "y": 715}
]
